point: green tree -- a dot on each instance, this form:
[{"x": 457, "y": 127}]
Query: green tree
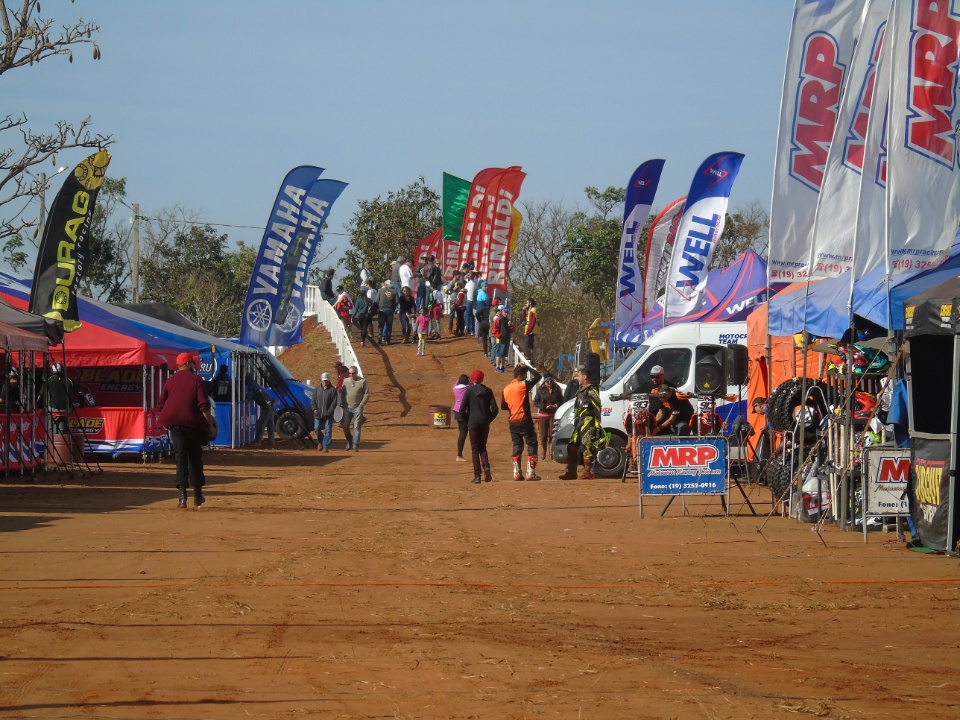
[
  {"x": 107, "y": 273},
  {"x": 745, "y": 228},
  {"x": 27, "y": 40},
  {"x": 383, "y": 229},
  {"x": 593, "y": 244}
]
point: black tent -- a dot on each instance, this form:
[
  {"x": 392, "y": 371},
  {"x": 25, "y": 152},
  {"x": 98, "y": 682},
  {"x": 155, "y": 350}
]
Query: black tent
[
  {"x": 932, "y": 322},
  {"x": 162, "y": 311},
  {"x": 37, "y": 324}
]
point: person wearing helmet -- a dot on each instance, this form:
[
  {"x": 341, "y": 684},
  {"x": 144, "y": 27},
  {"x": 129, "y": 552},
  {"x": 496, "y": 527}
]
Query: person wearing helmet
[{"x": 587, "y": 430}]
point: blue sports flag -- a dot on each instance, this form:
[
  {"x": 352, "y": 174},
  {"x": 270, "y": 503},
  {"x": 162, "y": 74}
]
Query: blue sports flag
[
  {"x": 273, "y": 272},
  {"x": 288, "y": 321},
  {"x": 700, "y": 228},
  {"x": 636, "y": 209}
]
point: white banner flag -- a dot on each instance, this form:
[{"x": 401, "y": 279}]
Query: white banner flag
[
  {"x": 821, "y": 44},
  {"x": 924, "y": 190},
  {"x": 660, "y": 242},
  {"x": 834, "y": 230}
]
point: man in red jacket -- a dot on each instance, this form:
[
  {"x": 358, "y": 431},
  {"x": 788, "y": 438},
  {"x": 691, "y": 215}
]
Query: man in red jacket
[{"x": 185, "y": 412}]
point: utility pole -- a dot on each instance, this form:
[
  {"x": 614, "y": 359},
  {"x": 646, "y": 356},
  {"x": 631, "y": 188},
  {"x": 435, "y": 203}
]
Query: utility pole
[
  {"x": 41, "y": 220},
  {"x": 135, "y": 265}
]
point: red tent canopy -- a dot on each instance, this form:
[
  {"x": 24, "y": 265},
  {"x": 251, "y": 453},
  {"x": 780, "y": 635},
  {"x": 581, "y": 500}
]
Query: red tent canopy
[{"x": 13, "y": 338}]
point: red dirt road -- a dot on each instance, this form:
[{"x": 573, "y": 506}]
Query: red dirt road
[{"x": 382, "y": 584}]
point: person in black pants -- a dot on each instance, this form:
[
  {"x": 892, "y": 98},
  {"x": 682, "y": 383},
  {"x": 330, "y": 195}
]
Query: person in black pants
[{"x": 480, "y": 409}]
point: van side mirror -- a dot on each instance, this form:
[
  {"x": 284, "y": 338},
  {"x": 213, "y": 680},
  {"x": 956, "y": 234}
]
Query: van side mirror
[{"x": 632, "y": 385}]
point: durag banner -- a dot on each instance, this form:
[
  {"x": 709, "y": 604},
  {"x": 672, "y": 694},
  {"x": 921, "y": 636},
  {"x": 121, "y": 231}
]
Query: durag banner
[
  {"x": 456, "y": 193},
  {"x": 493, "y": 228},
  {"x": 700, "y": 228},
  {"x": 287, "y": 326},
  {"x": 64, "y": 247},
  {"x": 273, "y": 271},
  {"x": 822, "y": 39},
  {"x": 636, "y": 209},
  {"x": 924, "y": 189},
  {"x": 834, "y": 228},
  {"x": 660, "y": 241}
]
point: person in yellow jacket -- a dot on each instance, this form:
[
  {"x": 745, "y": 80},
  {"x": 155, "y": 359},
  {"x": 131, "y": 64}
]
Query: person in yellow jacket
[{"x": 531, "y": 327}]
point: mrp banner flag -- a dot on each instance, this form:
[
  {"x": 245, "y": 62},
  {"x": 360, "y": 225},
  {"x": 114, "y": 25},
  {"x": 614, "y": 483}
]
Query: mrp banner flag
[
  {"x": 288, "y": 322},
  {"x": 63, "y": 253},
  {"x": 822, "y": 39},
  {"x": 924, "y": 178},
  {"x": 636, "y": 209},
  {"x": 700, "y": 228},
  {"x": 274, "y": 271}
]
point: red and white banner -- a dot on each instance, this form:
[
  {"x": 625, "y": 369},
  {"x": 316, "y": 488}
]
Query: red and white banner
[
  {"x": 924, "y": 189},
  {"x": 836, "y": 218},
  {"x": 472, "y": 220},
  {"x": 821, "y": 45},
  {"x": 432, "y": 244},
  {"x": 660, "y": 241}
]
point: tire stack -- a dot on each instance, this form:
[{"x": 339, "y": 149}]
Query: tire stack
[
  {"x": 779, "y": 476},
  {"x": 783, "y": 406}
]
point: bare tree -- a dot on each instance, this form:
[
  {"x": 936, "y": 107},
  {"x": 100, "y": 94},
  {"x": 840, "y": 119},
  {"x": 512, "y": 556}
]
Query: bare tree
[
  {"x": 539, "y": 259},
  {"x": 29, "y": 39}
]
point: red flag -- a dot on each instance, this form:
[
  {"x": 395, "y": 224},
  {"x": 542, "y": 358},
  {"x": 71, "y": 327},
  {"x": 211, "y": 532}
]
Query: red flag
[
  {"x": 470, "y": 233},
  {"x": 432, "y": 244},
  {"x": 496, "y": 215}
]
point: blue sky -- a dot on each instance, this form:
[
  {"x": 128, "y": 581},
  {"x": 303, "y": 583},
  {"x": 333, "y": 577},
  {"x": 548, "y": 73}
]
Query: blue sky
[{"x": 212, "y": 101}]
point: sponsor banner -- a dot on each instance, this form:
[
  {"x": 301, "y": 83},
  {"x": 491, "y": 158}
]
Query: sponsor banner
[
  {"x": 432, "y": 244},
  {"x": 822, "y": 40},
  {"x": 489, "y": 246},
  {"x": 886, "y": 471},
  {"x": 636, "y": 209},
  {"x": 113, "y": 430},
  {"x": 924, "y": 192},
  {"x": 456, "y": 194},
  {"x": 683, "y": 466},
  {"x": 19, "y": 449},
  {"x": 63, "y": 255},
  {"x": 833, "y": 232},
  {"x": 930, "y": 490},
  {"x": 470, "y": 231},
  {"x": 273, "y": 271},
  {"x": 110, "y": 386},
  {"x": 700, "y": 228},
  {"x": 660, "y": 241}
]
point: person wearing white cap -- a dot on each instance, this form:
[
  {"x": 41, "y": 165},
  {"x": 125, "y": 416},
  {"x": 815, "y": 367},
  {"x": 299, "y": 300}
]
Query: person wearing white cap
[{"x": 325, "y": 402}]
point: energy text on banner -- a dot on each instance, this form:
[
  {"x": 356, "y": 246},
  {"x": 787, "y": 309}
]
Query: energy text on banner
[
  {"x": 64, "y": 248},
  {"x": 822, "y": 39},
  {"x": 470, "y": 231},
  {"x": 456, "y": 193},
  {"x": 833, "y": 233},
  {"x": 641, "y": 191},
  {"x": 287, "y": 326},
  {"x": 660, "y": 241},
  {"x": 924, "y": 190},
  {"x": 700, "y": 228},
  {"x": 271, "y": 270},
  {"x": 493, "y": 248}
]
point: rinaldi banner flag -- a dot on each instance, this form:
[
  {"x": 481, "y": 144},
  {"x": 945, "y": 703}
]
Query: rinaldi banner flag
[
  {"x": 660, "y": 241},
  {"x": 821, "y": 44},
  {"x": 456, "y": 192},
  {"x": 490, "y": 250},
  {"x": 432, "y": 244},
  {"x": 700, "y": 227},
  {"x": 64, "y": 247},
  {"x": 636, "y": 209},
  {"x": 274, "y": 270},
  {"x": 924, "y": 186},
  {"x": 833, "y": 233},
  {"x": 287, "y": 326},
  {"x": 470, "y": 231}
]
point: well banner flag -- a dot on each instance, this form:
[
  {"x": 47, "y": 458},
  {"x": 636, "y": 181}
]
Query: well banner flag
[
  {"x": 274, "y": 270},
  {"x": 700, "y": 228},
  {"x": 489, "y": 247},
  {"x": 636, "y": 209},
  {"x": 924, "y": 189},
  {"x": 64, "y": 247},
  {"x": 834, "y": 229},
  {"x": 660, "y": 241},
  {"x": 456, "y": 193},
  {"x": 822, "y": 39}
]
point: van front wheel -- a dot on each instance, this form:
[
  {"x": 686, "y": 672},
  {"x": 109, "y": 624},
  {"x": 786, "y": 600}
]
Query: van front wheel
[
  {"x": 290, "y": 425},
  {"x": 611, "y": 460}
]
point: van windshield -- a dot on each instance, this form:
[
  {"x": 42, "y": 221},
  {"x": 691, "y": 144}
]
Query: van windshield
[{"x": 624, "y": 368}]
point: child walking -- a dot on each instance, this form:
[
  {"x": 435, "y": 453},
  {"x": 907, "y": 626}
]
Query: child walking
[
  {"x": 423, "y": 327},
  {"x": 436, "y": 320}
]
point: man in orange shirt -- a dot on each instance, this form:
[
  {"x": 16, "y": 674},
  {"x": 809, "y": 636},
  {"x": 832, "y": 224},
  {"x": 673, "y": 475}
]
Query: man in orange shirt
[{"x": 516, "y": 399}]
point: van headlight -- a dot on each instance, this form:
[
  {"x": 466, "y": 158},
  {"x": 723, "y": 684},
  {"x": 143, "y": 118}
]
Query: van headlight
[{"x": 564, "y": 416}]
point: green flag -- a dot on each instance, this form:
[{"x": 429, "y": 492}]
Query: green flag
[{"x": 455, "y": 193}]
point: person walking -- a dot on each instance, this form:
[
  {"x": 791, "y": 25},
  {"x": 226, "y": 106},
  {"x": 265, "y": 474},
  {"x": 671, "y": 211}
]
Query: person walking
[
  {"x": 547, "y": 399},
  {"x": 387, "y": 306},
  {"x": 470, "y": 289},
  {"x": 423, "y": 329},
  {"x": 366, "y": 309},
  {"x": 325, "y": 401},
  {"x": 407, "y": 307},
  {"x": 480, "y": 409},
  {"x": 266, "y": 418},
  {"x": 184, "y": 409},
  {"x": 516, "y": 400},
  {"x": 587, "y": 431},
  {"x": 326, "y": 287},
  {"x": 459, "y": 390},
  {"x": 344, "y": 308},
  {"x": 502, "y": 330},
  {"x": 353, "y": 399}
]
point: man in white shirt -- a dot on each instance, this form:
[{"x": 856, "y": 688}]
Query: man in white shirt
[
  {"x": 470, "y": 290},
  {"x": 406, "y": 277}
]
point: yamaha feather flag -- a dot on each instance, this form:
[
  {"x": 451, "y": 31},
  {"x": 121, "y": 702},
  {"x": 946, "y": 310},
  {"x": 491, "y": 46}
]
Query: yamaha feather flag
[
  {"x": 63, "y": 254},
  {"x": 274, "y": 270},
  {"x": 288, "y": 322},
  {"x": 660, "y": 241},
  {"x": 700, "y": 228},
  {"x": 636, "y": 209}
]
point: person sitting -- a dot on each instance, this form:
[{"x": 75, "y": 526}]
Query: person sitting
[{"x": 675, "y": 414}]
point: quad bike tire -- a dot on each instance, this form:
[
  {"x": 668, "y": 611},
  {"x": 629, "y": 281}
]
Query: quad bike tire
[
  {"x": 785, "y": 405},
  {"x": 779, "y": 477}
]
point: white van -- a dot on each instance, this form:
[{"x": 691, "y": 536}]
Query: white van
[{"x": 675, "y": 348}]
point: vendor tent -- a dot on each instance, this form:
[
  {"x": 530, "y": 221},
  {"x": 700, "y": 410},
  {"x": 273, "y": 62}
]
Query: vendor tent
[
  {"x": 932, "y": 322},
  {"x": 36, "y": 324}
]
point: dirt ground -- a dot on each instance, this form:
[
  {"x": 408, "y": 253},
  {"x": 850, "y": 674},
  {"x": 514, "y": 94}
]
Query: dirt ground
[{"x": 382, "y": 584}]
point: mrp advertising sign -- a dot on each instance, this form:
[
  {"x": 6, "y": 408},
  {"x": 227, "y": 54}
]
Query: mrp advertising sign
[{"x": 683, "y": 466}]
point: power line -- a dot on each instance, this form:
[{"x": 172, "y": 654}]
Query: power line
[{"x": 223, "y": 225}]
